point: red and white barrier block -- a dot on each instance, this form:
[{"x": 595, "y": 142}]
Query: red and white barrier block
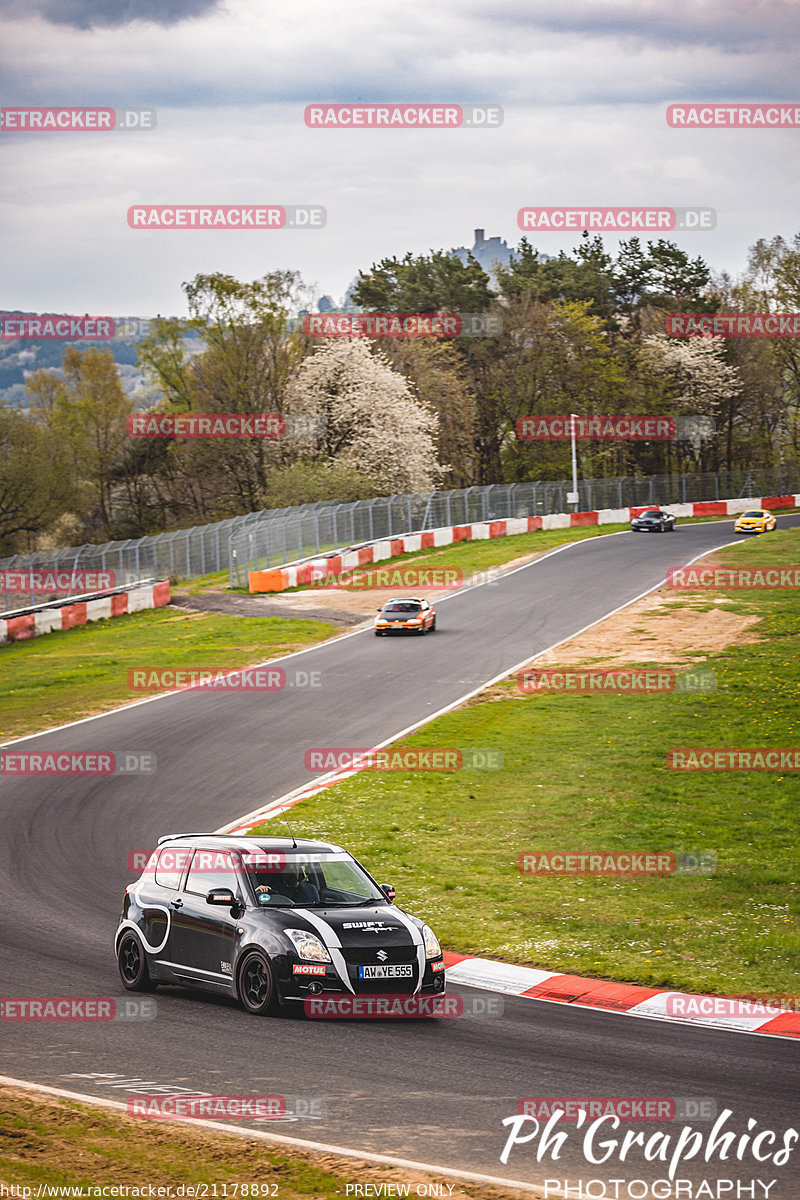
[
  {"x": 278, "y": 579},
  {"x": 67, "y": 615},
  {"x": 768, "y": 1015}
]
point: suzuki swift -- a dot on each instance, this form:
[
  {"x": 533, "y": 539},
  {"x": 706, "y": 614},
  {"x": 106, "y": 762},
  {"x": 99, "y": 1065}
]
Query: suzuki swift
[{"x": 270, "y": 921}]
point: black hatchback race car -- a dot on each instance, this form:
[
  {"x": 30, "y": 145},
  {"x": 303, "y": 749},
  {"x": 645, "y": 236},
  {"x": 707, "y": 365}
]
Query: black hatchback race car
[{"x": 269, "y": 921}]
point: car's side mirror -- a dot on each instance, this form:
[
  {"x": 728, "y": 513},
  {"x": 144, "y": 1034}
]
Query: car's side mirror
[
  {"x": 221, "y": 896},
  {"x": 388, "y": 890},
  {"x": 379, "y": 608}
]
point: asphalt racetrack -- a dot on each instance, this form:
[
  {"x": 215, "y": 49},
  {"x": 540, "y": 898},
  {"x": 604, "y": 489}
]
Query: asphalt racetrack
[{"x": 431, "y": 1092}]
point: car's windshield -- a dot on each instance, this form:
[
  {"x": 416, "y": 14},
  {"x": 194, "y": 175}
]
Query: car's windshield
[
  {"x": 308, "y": 881},
  {"x": 755, "y": 513},
  {"x": 652, "y": 512},
  {"x": 403, "y": 606}
]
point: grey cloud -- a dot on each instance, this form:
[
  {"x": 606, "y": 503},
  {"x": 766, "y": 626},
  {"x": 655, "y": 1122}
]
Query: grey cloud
[
  {"x": 91, "y": 14},
  {"x": 735, "y": 25}
]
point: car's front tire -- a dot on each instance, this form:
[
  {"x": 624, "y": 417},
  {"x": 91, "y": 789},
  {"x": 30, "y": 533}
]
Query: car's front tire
[
  {"x": 132, "y": 964},
  {"x": 257, "y": 984}
]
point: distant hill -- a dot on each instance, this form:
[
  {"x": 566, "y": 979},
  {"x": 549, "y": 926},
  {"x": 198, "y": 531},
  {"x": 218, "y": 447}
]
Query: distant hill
[{"x": 21, "y": 356}]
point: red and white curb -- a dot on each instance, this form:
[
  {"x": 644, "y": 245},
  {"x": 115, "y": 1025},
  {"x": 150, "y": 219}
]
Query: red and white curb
[
  {"x": 67, "y": 616},
  {"x": 278, "y": 808},
  {"x": 278, "y": 579},
  {"x": 628, "y": 998},
  {"x": 556, "y": 987}
]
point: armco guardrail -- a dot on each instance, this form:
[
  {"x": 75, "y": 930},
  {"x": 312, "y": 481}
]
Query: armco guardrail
[
  {"x": 266, "y": 542},
  {"x": 271, "y": 537},
  {"x": 343, "y": 566}
]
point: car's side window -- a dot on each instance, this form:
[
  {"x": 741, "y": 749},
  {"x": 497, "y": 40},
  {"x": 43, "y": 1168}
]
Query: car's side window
[
  {"x": 170, "y": 865},
  {"x": 211, "y": 869}
]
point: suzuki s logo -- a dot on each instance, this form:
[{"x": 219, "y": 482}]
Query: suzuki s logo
[{"x": 382, "y": 955}]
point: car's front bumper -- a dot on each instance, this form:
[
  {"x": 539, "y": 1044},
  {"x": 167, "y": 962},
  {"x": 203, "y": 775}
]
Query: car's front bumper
[{"x": 298, "y": 981}]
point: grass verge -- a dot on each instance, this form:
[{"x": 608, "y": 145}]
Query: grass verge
[
  {"x": 69, "y": 674},
  {"x": 588, "y": 772},
  {"x": 57, "y": 1142}
]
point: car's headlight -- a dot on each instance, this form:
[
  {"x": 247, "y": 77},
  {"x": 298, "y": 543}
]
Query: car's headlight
[
  {"x": 307, "y": 945},
  {"x": 432, "y": 947}
]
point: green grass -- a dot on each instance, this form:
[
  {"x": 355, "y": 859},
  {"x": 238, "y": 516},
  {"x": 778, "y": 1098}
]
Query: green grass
[
  {"x": 589, "y": 772},
  {"x": 69, "y": 674},
  {"x": 58, "y": 1142}
]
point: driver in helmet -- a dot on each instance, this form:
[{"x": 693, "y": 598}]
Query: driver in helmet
[{"x": 292, "y": 883}]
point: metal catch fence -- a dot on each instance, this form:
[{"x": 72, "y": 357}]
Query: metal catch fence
[{"x": 273, "y": 537}]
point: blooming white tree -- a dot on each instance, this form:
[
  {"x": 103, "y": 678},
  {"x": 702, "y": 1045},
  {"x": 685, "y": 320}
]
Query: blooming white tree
[
  {"x": 701, "y": 381},
  {"x": 370, "y": 418}
]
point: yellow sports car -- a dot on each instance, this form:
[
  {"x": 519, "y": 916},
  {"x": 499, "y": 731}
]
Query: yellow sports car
[{"x": 755, "y": 520}]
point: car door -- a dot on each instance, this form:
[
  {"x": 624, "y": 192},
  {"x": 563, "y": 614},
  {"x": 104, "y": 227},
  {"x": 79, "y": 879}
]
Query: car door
[{"x": 202, "y": 935}]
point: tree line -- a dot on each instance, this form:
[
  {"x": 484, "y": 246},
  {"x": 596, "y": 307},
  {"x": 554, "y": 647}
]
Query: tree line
[{"x": 581, "y": 332}]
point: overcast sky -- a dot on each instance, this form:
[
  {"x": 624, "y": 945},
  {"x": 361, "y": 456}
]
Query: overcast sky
[{"x": 584, "y": 85}]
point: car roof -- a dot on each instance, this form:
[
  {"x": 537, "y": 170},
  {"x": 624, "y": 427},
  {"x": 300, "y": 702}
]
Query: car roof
[
  {"x": 227, "y": 841},
  {"x": 401, "y": 599}
]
